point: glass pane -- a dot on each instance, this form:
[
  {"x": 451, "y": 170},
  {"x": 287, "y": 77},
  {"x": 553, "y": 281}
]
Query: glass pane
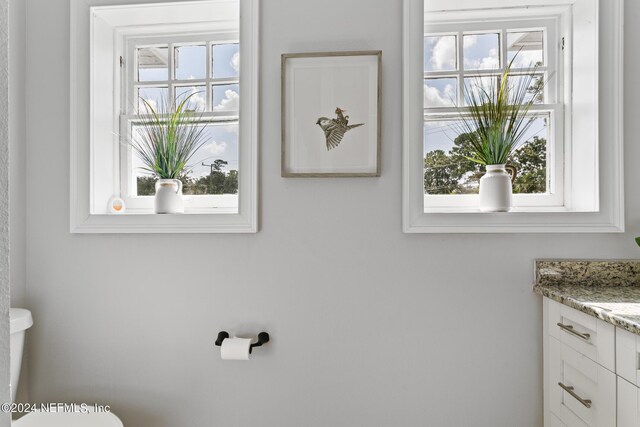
[
  {"x": 213, "y": 168},
  {"x": 440, "y": 92},
  {"x": 225, "y": 61},
  {"x": 153, "y": 64},
  {"x": 190, "y": 62},
  {"x": 481, "y": 51},
  {"x": 440, "y": 53},
  {"x": 480, "y": 87},
  {"x": 225, "y": 97},
  {"x": 530, "y": 158},
  {"x": 155, "y": 96},
  {"x": 526, "y": 48},
  {"x": 145, "y": 183},
  {"x": 534, "y": 87},
  {"x": 197, "y": 97},
  {"x": 446, "y": 170}
]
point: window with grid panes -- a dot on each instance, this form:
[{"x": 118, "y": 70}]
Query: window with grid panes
[
  {"x": 570, "y": 163},
  {"x": 164, "y": 52},
  {"x": 471, "y": 56},
  {"x": 205, "y": 71}
]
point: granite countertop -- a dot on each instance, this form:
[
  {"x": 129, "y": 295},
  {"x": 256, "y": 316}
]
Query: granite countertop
[{"x": 608, "y": 290}]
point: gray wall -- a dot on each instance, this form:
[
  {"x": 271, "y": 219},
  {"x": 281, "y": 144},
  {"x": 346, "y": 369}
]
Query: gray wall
[
  {"x": 17, "y": 159},
  {"x": 17, "y": 150},
  {"x": 370, "y": 327},
  {"x": 4, "y": 209}
]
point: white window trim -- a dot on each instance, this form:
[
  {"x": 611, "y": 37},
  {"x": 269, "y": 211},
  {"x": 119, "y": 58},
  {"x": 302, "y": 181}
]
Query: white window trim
[
  {"x": 609, "y": 213},
  {"x": 82, "y": 218}
]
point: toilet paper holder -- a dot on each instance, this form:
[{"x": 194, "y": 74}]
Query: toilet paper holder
[{"x": 263, "y": 338}]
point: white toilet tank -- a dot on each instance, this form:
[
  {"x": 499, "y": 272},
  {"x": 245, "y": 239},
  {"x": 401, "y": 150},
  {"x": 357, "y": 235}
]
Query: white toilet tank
[{"x": 20, "y": 321}]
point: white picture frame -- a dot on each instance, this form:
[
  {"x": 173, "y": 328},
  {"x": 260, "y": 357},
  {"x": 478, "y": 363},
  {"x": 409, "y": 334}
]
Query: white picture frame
[{"x": 331, "y": 114}]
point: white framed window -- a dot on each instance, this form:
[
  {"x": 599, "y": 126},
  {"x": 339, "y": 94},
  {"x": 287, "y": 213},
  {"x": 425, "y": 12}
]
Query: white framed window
[
  {"x": 167, "y": 69},
  {"x": 476, "y": 52},
  {"x": 161, "y": 52},
  {"x": 563, "y": 167}
]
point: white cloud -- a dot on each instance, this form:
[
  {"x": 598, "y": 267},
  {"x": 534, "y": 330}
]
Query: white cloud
[
  {"x": 230, "y": 102},
  {"x": 486, "y": 63},
  {"x": 216, "y": 148},
  {"x": 196, "y": 99},
  {"x": 433, "y": 97},
  {"x": 443, "y": 55},
  {"x": 470, "y": 40},
  {"x": 527, "y": 58},
  {"x": 483, "y": 63},
  {"x": 491, "y": 61},
  {"x": 235, "y": 61}
]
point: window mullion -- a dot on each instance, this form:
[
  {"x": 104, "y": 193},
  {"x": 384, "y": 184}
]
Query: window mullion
[
  {"x": 460, "y": 60},
  {"x": 209, "y": 70},
  {"x": 132, "y": 79},
  {"x": 170, "y": 88},
  {"x": 503, "y": 49}
]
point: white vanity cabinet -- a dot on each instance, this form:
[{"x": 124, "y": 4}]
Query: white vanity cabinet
[
  {"x": 628, "y": 371},
  {"x": 585, "y": 334},
  {"x": 579, "y": 379},
  {"x": 591, "y": 342},
  {"x": 628, "y": 404},
  {"x": 591, "y": 370}
]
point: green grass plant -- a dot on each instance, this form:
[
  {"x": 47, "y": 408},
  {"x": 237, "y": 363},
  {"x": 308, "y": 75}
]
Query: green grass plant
[
  {"x": 497, "y": 116},
  {"x": 167, "y": 138}
]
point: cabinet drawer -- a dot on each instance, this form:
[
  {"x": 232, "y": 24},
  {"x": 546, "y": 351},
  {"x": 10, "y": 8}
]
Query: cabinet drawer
[
  {"x": 628, "y": 356},
  {"x": 581, "y": 392},
  {"x": 551, "y": 420},
  {"x": 628, "y": 404},
  {"x": 587, "y": 335}
]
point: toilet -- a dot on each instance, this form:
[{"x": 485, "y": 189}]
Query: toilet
[{"x": 72, "y": 415}]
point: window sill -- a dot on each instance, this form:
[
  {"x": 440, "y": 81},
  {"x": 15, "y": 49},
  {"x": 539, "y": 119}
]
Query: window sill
[
  {"x": 513, "y": 211},
  {"x": 188, "y": 211},
  {"x": 515, "y": 222},
  {"x": 145, "y": 223}
]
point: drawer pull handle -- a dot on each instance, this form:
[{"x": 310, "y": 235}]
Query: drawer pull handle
[
  {"x": 569, "y": 328},
  {"x": 569, "y": 389}
]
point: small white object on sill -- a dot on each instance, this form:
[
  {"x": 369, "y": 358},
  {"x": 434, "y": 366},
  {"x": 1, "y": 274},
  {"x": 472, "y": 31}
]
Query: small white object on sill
[{"x": 116, "y": 205}]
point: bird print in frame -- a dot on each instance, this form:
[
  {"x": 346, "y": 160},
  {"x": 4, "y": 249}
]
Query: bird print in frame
[
  {"x": 331, "y": 114},
  {"x": 335, "y": 129}
]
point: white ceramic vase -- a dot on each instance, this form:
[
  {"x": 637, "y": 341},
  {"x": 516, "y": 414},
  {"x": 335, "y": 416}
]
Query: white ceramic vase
[
  {"x": 495, "y": 189},
  {"x": 169, "y": 196}
]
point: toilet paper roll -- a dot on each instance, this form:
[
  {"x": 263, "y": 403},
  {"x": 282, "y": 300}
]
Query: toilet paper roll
[{"x": 235, "y": 349}]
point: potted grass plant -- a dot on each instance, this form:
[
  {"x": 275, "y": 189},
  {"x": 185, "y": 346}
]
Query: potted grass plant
[
  {"x": 497, "y": 119},
  {"x": 166, "y": 140}
]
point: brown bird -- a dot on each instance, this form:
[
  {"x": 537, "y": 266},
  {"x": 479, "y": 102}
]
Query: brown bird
[{"x": 335, "y": 129}]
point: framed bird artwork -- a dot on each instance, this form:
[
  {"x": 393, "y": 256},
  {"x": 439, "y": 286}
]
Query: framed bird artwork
[{"x": 331, "y": 114}]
